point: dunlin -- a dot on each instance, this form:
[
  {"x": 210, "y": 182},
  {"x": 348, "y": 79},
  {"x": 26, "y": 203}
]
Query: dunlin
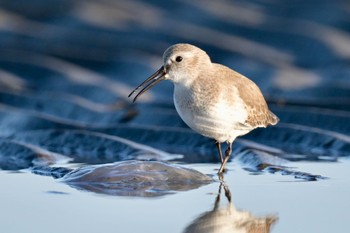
[{"x": 212, "y": 99}]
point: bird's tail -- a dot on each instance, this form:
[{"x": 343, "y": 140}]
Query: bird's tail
[{"x": 273, "y": 119}]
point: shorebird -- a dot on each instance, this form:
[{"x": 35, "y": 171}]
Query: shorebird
[{"x": 212, "y": 99}]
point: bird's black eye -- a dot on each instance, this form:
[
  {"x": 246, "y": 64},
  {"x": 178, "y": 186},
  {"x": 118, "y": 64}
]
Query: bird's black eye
[{"x": 178, "y": 58}]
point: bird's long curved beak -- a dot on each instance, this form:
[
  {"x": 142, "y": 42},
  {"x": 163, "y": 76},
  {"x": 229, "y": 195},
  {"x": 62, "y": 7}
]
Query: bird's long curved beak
[{"x": 155, "y": 78}]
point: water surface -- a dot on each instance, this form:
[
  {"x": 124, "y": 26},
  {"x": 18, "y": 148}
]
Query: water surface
[{"x": 40, "y": 204}]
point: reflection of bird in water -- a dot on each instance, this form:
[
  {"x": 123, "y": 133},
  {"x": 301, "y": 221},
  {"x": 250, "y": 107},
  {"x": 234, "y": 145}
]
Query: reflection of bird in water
[{"x": 229, "y": 219}]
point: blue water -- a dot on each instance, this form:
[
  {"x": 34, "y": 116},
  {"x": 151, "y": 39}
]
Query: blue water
[{"x": 32, "y": 203}]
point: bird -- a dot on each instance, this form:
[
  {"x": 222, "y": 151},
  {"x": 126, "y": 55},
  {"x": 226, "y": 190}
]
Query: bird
[{"x": 212, "y": 99}]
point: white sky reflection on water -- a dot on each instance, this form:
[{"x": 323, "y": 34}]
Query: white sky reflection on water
[{"x": 33, "y": 203}]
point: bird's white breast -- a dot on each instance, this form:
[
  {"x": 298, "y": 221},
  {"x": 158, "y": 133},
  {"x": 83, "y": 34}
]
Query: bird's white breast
[{"x": 219, "y": 118}]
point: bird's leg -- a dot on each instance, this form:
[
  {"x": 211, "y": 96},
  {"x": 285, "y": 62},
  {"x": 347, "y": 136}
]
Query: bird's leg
[
  {"x": 218, "y": 145},
  {"x": 227, "y": 156}
]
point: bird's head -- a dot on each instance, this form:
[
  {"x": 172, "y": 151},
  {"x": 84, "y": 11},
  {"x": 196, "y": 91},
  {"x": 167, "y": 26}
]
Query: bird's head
[{"x": 182, "y": 64}]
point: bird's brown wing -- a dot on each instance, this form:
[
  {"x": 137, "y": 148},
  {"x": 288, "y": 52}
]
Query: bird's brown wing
[{"x": 259, "y": 114}]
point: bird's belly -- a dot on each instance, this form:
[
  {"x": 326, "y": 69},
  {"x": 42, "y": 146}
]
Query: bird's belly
[{"x": 217, "y": 121}]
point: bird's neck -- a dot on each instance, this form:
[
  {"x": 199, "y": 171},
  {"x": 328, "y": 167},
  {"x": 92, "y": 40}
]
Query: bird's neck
[{"x": 183, "y": 80}]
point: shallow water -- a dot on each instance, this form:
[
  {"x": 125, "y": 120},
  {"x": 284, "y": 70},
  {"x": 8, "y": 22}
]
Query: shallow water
[
  {"x": 40, "y": 204},
  {"x": 67, "y": 67}
]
